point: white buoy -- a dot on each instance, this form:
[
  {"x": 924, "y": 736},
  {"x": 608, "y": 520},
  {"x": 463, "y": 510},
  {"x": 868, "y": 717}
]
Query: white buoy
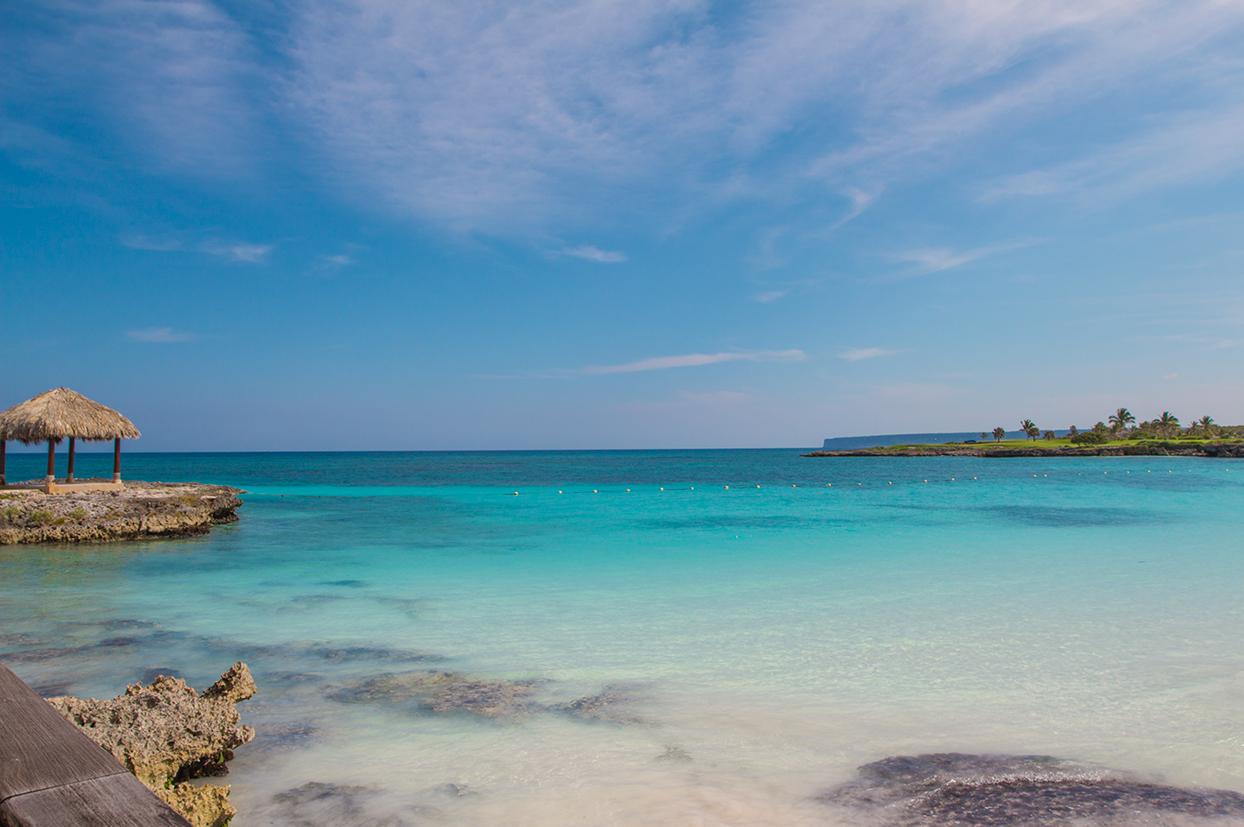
[
  {"x": 952, "y": 479},
  {"x": 926, "y": 481},
  {"x": 891, "y": 482},
  {"x": 515, "y": 493},
  {"x": 628, "y": 490},
  {"x": 559, "y": 491},
  {"x": 726, "y": 487},
  {"x": 595, "y": 491},
  {"x": 662, "y": 487},
  {"x": 693, "y": 488}
]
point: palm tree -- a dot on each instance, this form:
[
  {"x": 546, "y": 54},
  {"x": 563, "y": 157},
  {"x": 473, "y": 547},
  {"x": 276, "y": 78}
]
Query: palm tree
[
  {"x": 1048, "y": 435},
  {"x": 1072, "y": 431},
  {"x": 1030, "y": 428},
  {"x": 1206, "y": 423},
  {"x": 1168, "y": 423},
  {"x": 1120, "y": 419},
  {"x": 999, "y": 434}
]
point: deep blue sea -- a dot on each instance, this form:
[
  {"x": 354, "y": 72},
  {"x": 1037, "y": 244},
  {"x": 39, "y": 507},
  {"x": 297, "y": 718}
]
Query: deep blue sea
[{"x": 760, "y": 623}]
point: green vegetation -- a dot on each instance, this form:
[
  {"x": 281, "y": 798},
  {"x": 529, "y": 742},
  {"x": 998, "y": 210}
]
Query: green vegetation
[{"x": 1121, "y": 430}]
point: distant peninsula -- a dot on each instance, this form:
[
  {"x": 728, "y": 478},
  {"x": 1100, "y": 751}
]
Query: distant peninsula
[
  {"x": 1120, "y": 435},
  {"x": 1051, "y": 448}
]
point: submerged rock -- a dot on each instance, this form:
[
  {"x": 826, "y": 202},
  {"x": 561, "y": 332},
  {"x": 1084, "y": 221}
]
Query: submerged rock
[
  {"x": 1020, "y": 791},
  {"x": 613, "y": 705},
  {"x": 674, "y": 754},
  {"x": 443, "y": 692},
  {"x": 317, "y": 803},
  {"x": 166, "y": 733}
]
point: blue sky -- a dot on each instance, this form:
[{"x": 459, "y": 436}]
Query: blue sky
[{"x": 399, "y": 224}]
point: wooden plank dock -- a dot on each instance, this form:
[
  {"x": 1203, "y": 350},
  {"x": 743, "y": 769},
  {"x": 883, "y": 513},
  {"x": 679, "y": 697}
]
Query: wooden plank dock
[{"x": 52, "y": 774}]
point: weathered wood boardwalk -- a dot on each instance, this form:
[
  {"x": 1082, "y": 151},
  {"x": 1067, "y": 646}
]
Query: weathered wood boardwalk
[{"x": 52, "y": 775}]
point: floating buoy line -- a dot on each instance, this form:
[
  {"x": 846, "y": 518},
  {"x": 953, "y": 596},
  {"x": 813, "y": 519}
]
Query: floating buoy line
[{"x": 874, "y": 484}]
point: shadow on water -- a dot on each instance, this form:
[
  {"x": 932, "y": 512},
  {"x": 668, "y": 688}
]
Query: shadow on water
[{"x": 1075, "y": 516}]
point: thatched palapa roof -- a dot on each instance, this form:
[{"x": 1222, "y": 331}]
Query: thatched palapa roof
[{"x": 61, "y": 413}]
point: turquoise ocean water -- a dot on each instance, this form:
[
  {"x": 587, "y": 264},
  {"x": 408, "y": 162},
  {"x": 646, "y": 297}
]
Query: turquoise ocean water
[{"x": 764, "y": 639}]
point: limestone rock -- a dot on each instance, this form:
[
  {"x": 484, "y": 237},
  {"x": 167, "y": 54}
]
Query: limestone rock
[
  {"x": 203, "y": 805},
  {"x": 166, "y": 733},
  {"x": 140, "y": 510}
]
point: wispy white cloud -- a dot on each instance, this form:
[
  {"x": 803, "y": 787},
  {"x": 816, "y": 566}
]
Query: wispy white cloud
[
  {"x": 588, "y": 252},
  {"x": 770, "y": 296},
  {"x": 541, "y": 119},
  {"x": 337, "y": 260},
  {"x": 513, "y": 116},
  {"x": 158, "y": 335},
  {"x": 860, "y": 200},
  {"x": 174, "y": 82},
  {"x": 157, "y": 244},
  {"x": 859, "y": 354},
  {"x": 1186, "y": 148},
  {"x": 928, "y": 260},
  {"x": 695, "y": 360},
  {"x": 690, "y": 402},
  {"x": 238, "y": 251}
]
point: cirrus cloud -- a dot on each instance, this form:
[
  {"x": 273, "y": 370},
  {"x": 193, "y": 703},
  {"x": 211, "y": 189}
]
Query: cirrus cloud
[
  {"x": 158, "y": 335},
  {"x": 696, "y": 360},
  {"x": 859, "y": 354}
]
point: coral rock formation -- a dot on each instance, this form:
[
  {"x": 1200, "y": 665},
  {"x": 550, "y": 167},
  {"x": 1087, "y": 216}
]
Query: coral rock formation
[{"x": 166, "y": 733}]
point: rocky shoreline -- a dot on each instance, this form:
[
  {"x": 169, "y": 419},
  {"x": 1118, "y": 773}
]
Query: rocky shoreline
[
  {"x": 140, "y": 510},
  {"x": 167, "y": 734},
  {"x": 1173, "y": 448}
]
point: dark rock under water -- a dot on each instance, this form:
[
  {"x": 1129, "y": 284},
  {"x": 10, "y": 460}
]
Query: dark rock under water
[
  {"x": 443, "y": 692},
  {"x": 318, "y": 802},
  {"x": 613, "y": 704},
  {"x": 1021, "y": 791}
]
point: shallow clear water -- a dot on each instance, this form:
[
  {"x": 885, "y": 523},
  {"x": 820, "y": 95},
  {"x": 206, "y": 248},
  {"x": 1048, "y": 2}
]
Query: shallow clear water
[{"x": 778, "y": 636}]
